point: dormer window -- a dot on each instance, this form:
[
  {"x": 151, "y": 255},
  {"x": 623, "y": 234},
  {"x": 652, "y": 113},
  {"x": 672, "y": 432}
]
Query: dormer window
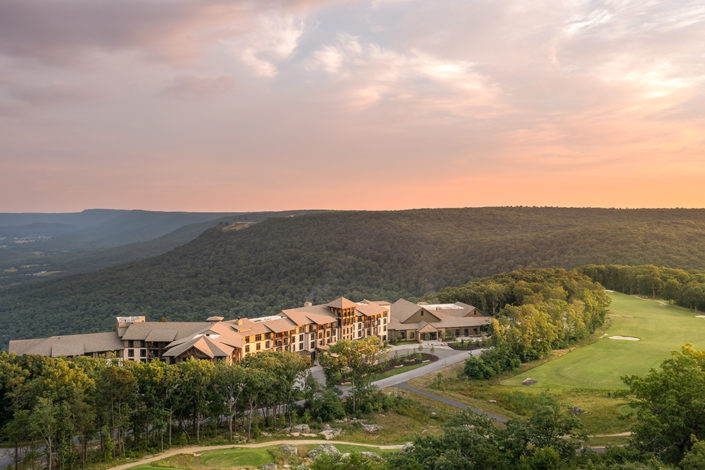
[{"x": 422, "y": 313}]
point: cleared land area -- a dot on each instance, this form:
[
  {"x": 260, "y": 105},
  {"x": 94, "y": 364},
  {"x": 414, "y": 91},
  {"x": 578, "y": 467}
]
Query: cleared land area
[{"x": 660, "y": 329}]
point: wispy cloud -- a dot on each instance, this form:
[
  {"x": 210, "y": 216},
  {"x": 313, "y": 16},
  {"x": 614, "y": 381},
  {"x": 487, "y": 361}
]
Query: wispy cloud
[{"x": 293, "y": 91}]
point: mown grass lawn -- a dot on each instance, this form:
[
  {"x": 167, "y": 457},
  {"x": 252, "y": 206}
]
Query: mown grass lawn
[
  {"x": 661, "y": 329},
  {"x": 255, "y": 457}
]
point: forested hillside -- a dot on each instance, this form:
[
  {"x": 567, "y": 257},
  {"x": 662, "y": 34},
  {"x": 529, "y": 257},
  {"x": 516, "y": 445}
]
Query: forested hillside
[
  {"x": 283, "y": 262},
  {"x": 97, "y": 239}
]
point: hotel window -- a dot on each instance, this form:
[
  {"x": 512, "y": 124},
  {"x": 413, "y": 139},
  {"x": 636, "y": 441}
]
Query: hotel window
[
  {"x": 293, "y": 347},
  {"x": 385, "y": 328},
  {"x": 258, "y": 347},
  {"x": 301, "y": 337},
  {"x": 328, "y": 340},
  {"x": 247, "y": 339},
  {"x": 301, "y": 329},
  {"x": 258, "y": 337},
  {"x": 320, "y": 334},
  {"x": 359, "y": 326},
  {"x": 130, "y": 344},
  {"x": 328, "y": 333},
  {"x": 301, "y": 346},
  {"x": 266, "y": 344},
  {"x": 143, "y": 353},
  {"x": 130, "y": 353},
  {"x": 313, "y": 345},
  {"x": 247, "y": 348}
]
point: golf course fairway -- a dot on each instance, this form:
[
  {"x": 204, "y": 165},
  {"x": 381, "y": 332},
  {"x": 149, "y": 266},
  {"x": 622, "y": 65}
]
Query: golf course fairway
[{"x": 659, "y": 328}]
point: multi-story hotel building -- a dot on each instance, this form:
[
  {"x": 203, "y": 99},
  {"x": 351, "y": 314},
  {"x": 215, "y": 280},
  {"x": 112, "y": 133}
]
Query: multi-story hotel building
[{"x": 306, "y": 330}]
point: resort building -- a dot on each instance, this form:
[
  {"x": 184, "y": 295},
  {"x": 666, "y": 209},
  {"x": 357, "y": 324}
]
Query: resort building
[{"x": 305, "y": 330}]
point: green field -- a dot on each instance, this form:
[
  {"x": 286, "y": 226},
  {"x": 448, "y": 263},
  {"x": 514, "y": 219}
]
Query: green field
[{"x": 661, "y": 329}]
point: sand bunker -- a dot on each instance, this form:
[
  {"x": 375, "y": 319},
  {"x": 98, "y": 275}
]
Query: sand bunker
[
  {"x": 616, "y": 315},
  {"x": 626, "y": 338},
  {"x": 699, "y": 316}
]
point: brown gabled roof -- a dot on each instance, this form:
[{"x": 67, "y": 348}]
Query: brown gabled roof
[
  {"x": 70, "y": 345},
  {"x": 370, "y": 310},
  {"x": 300, "y": 318},
  {"x": 280, "y": 325},
  {"x": 341, "y": 302},
  {"x": 428, "y": 328},
  {"x": 249, "y": 328},
  {"x": 403, "y": 309},
  {"x": 140, "y": 331}
]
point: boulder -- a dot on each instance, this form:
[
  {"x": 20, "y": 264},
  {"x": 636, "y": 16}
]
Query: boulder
[
  {"x": 408, "y": 447},
  {"x": 329, "y": 432},
  {"x": 371, "y": 427},
  {"x": 289, "y": 449},
  {"x": 269, "y": 466},
  {"x": 371, "y": 455},
  {"x": 577, "y": 411},
  {"x": 529, "y": 382},
  {"x": 300, "y": 428},
  {"x": 493, "y": 401},
  {"x": 323, "y": 449}
]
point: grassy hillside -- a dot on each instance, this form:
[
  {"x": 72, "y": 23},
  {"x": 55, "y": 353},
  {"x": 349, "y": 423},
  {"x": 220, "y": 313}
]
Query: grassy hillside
[{"x": 283, "y": 262}]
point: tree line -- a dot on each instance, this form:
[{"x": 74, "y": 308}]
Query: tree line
[
  {"x": 130, "y": 408},
  {"x": 682, "y": 287},
  {"x": 534, "y": 310},
  {"x": 65, "y": 404}
]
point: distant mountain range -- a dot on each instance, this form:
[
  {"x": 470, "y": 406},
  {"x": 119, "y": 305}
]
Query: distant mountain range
[
  {"x": 282, "y": 262},
  {"x": 37, "y": 246}
]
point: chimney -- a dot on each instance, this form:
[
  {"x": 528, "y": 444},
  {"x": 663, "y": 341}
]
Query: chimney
[{"x": 308, "y": 304}]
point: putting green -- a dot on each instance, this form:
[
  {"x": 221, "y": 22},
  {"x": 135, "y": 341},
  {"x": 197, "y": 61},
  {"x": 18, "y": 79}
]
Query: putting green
[{"x": 660, "y": 329}]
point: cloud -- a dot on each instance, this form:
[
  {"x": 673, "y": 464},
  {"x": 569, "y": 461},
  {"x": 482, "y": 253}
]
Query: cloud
[
  {"x": 271, "y": 38},
  {"x": 191, "y": 86},
  {"x": 65, "y": 31},
  {"x": 372, "y": 73}
]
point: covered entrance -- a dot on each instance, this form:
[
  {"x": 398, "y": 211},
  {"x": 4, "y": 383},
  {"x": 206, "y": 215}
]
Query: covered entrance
[{"x": 427, "y": 333}]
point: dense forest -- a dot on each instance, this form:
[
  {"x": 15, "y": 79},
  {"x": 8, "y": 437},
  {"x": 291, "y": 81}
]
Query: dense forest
[{"x": 280, "y": 263}]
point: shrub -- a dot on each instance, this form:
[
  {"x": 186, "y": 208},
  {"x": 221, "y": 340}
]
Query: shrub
[{"x": 491, "y": 363}]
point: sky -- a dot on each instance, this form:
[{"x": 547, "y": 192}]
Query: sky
[{"x": 328, "y": 104}]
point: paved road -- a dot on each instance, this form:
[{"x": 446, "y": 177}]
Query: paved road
[{"x": 450, "y": 402}]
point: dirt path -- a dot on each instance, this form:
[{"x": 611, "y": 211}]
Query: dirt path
[{"x": 197, "y": 449}]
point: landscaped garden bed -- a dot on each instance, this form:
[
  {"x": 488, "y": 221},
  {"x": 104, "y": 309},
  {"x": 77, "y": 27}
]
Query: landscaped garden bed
[
  {"x": 468, "y": 345},
  {"x": 402, "y": 360}
]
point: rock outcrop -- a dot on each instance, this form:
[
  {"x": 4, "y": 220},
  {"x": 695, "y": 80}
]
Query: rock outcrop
[
  {"x": 371, "y": 427},
  {"x": 289, "y": 449},
  {"x": 323, "y": 449},
  {"x": 329, "y": 432}
]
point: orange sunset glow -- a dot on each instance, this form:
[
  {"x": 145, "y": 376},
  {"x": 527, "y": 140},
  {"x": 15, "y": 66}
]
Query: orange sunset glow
[{"x": 384, "y": 104}]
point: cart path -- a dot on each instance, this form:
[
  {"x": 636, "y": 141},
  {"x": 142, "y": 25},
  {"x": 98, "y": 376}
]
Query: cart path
[{"x": 197, "y": 449}]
